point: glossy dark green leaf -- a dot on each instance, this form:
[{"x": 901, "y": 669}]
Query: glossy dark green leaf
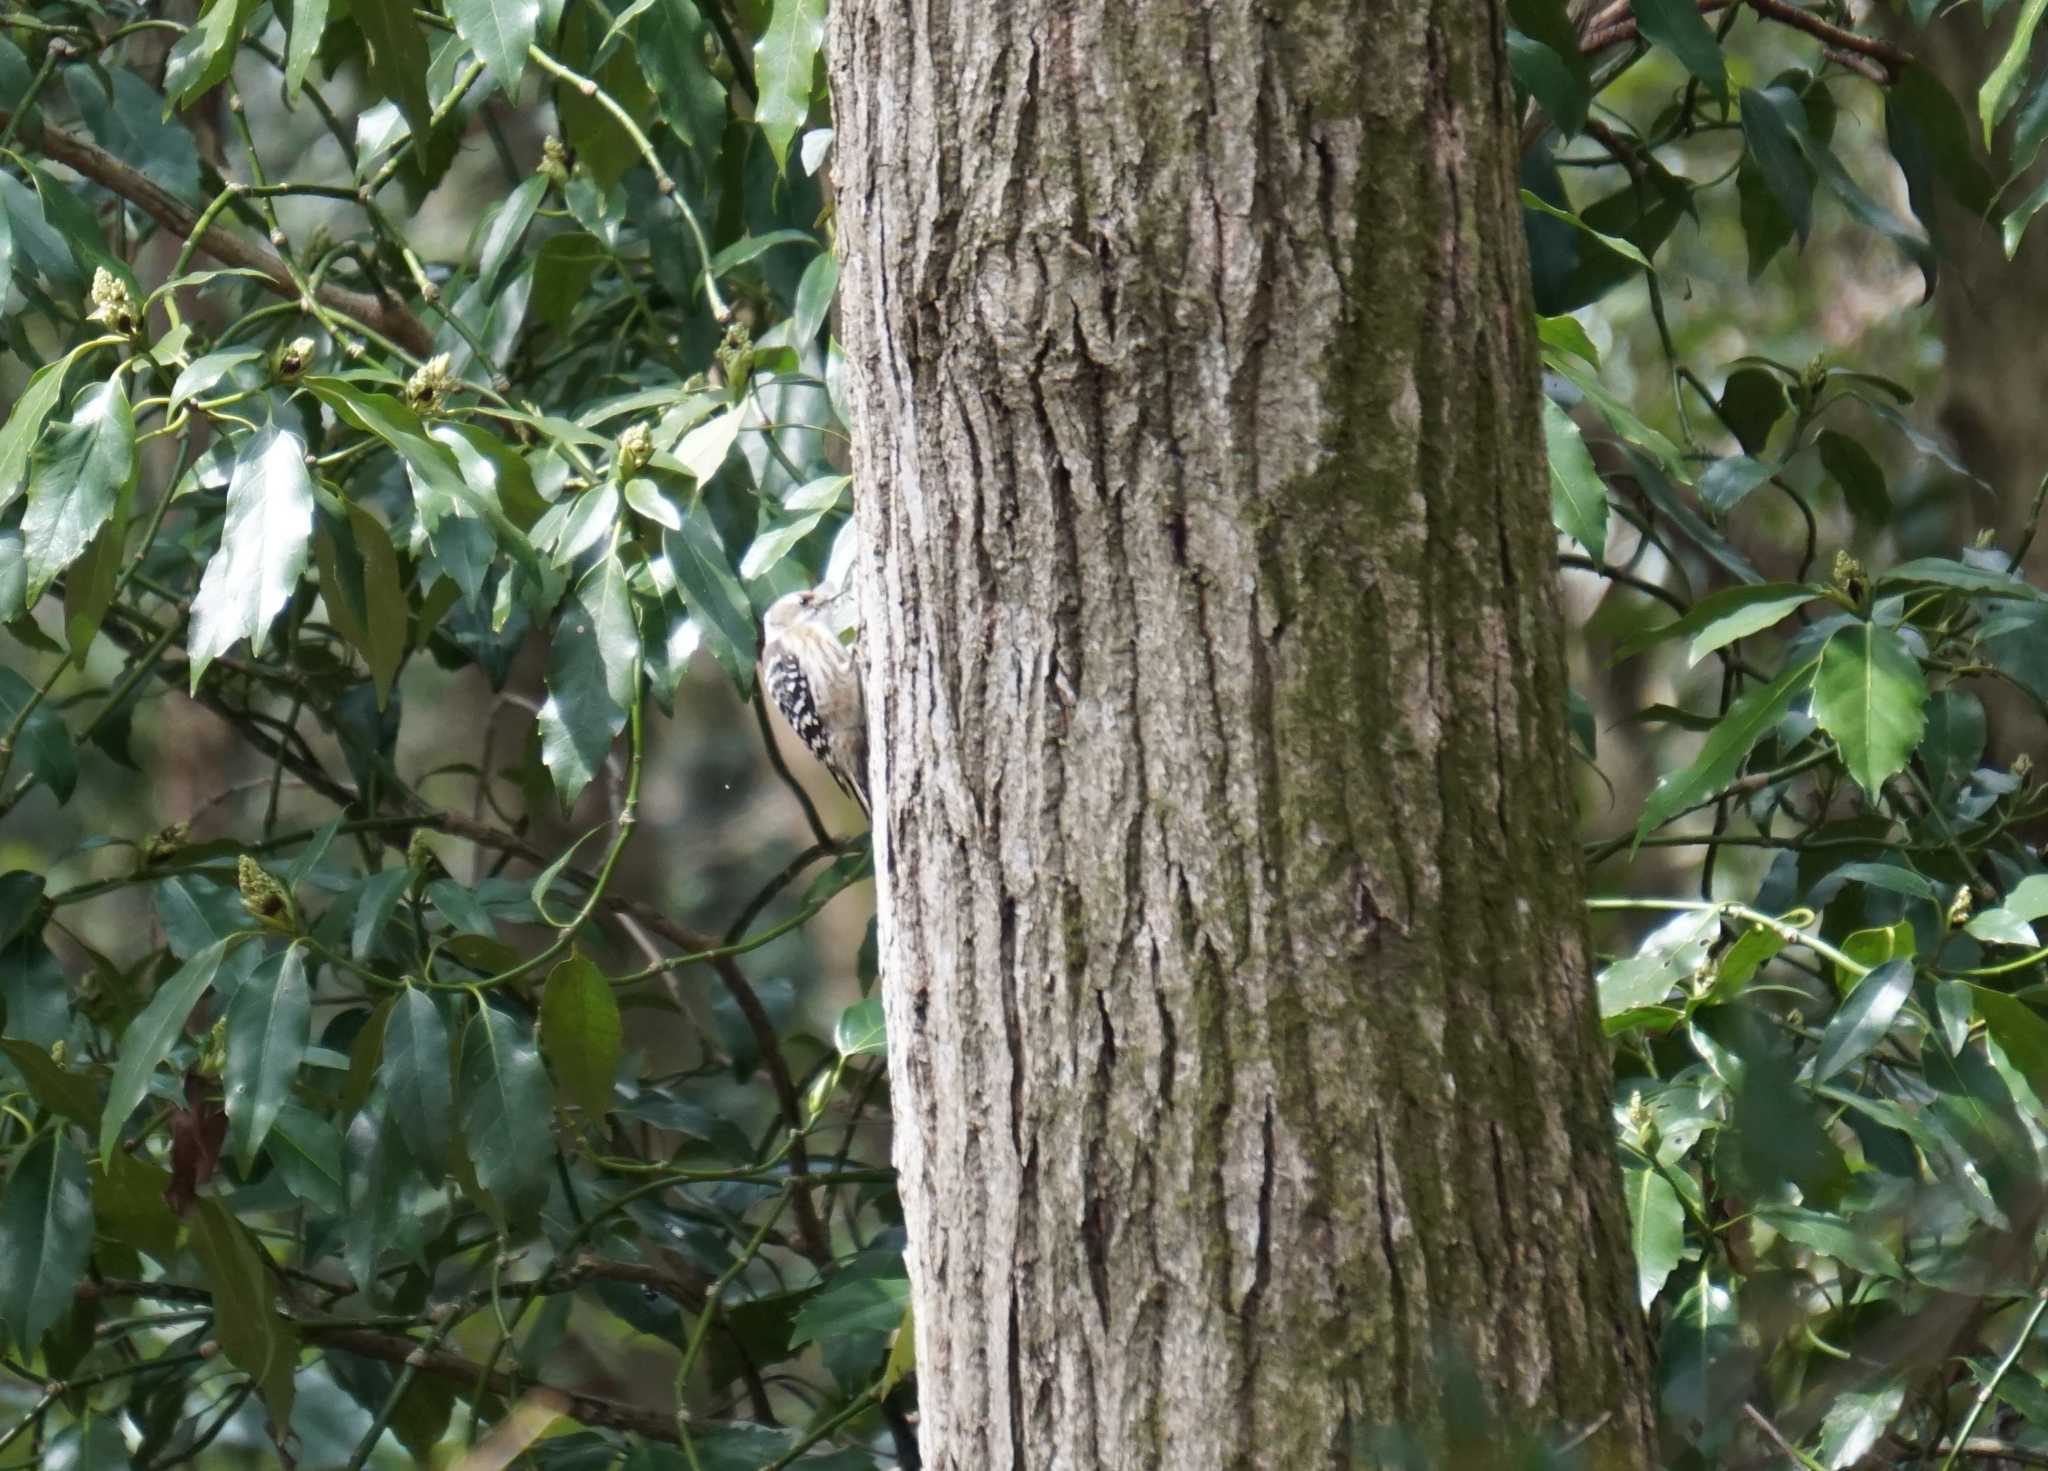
[
  {"x": 1957, "y": 576},
  {"x": 263, "y": 546},
  {"x": 813, "y": 299},
  {"x": 2020, "y": 1031},
  {"x": 202, "y": 56},
  {"x": 252, "y": 1334},
  {"x": 1931, "y": 141},
  {"x": 1772, "y": 121},
  {"x": 1752, "y": 401},
  {"x": 499, "y": 31},
  {"x": 580, "y": 719},
  {"x": 1578, "y": 497},
  {"x": 852, "y": 1304},
  {"x": 45, "y": 1236},
  {"x": 784, "y": 59},
  {"x": 580, "y": 1034},
  {"x": 1725, "y": 747},
  {"x": 306, "y": 1147},
  {"x": 1849, "y": 464},
  {"x": 2001, "y": 86},
  {"x": 375, "y": 1167},
  {"x": 1656, "y": 1229},
  {"x": 862, "y": 1030},
  {"x": 398, "y": 57},
  {"x": 43, "y": 748},
  {"x": 128, "y": 118},
  {"x": 2001, "y": 927},
  {"x": 1872, "y": 698},
  {"x": 308, "y": 21},
  {"x": 1862, "y": 1020},
  {"x": 415, "y": 1073},
  {"x": 1720, "y": 618},
  {"x": 365, "y": 594},
  {"x": 1679, "y": 28},
  {"x": 149, "y": 1038},
  {"x": 58, "y": 1089},
  {"x": 506, "y": 1109},
  {"x": 1550, "y": 79},
  {"x": 671, "y": 38},
  {"x": 702, "y": 571},
  {"x": 1724, "y": 483},
  {"x": 76, "y": 478},
  {"x": 1832, "y": 1236},
  {"x": 269, "y": 1025}
]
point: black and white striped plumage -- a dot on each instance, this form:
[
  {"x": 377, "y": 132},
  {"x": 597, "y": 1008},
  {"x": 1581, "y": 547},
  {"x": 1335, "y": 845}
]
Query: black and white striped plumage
[{"x": 813, "y": 678}]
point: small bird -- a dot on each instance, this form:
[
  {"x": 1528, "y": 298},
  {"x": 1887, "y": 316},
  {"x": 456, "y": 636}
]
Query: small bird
[{"x": 813, "y": 676}]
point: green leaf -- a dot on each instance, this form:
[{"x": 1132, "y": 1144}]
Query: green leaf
[
  {"x": 25, "y": 422},
  {"x": 580, "y": 719},
  {"x": 306, "y": 1147},
  {"x": 1931, "y": 141},
  {"x": 697, "y": 557},
  {"x": 498, "y": 31},
  {"x": 398, "y": 57},
  {"x": 43, "y": 745},
  {"x": 1543, "y": 51},
  {"x": 2029, "y": 897},
  {"x": 851, "y": 1304},
  {"x": 308, "y": 20},
  {"x": 784, "y": 59},
  {"x": 45, "y": 1236},
  {"x": 1849, "y": 464},
  {"x": 1954, "y": 742},
  {"x": 1679, "y": 28},
  {"x": 1861, "y": 1021},
  {"x": 813, "y": 299},
  {"x": 1724, "y": 483},
  {"x": 270, "y": 1021},
  {"x": 1872, "y": 698},
  {"x": 505, "y": 1111},
  {"x": 21, "y": 903},
  {"x": 1578, "y": 497},
  {"x": 2013, "y": 228},
  {"x": 703, "y": 450},
  {"x": 1997, "y": 92},
  {"x": 58, "y": 1089},
  {"x": 1772, "y": 123},
  {"x": 149, "y": 1038},
  {"x": 671, "y": 38},
  {"x": 205, "y": 372},
  {"x": 1724, "y": 749},
  {"x": 365, "y": 595},
  {"x": 1831, "y": 1236},
  {"x": 1622, "y": 418},
  {"x": 580, "y": 1035},
  {"x": 2001, "y": 927},
  {"x": 415, "y": 1072},
  {"x": 262, "y": 546},
  {"x": 777, "y": 542},
  {"x": 1720, "y": 618},
  {"x": 1956, "y": 576},
  {"x": 252, "y": 1335},
  {"x": 2020, "y": 1031},
  {"x": 1656, "y": 1229},
  {"x": 203, "y": 55},
  {"x": 1564, "y": 334},
  {"x": 1623, "y": 248},
  {"x": 862, "y": 1029},
  {"x": 1856, "y": 1421},
  {"x": 76, "y": 478}
]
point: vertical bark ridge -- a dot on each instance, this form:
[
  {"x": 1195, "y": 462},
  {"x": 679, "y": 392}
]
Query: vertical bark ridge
[{"x": 1236, "y": 980}]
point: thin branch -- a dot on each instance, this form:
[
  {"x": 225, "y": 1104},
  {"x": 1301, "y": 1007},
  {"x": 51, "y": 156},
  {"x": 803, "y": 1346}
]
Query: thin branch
[{"x": 1617, "y": 24}]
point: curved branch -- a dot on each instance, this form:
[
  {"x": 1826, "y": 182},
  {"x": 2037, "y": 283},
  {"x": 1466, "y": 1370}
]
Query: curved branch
[{"x": 381, "y": 314}]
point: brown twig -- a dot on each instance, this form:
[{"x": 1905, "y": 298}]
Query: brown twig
[
  {"x": 380, "y": 314},
  {"x": 1616, "y": 24}
]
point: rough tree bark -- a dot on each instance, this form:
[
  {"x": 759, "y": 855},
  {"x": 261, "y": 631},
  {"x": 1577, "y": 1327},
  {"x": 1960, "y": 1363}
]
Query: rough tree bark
[{"x": 1237, "y": 985}]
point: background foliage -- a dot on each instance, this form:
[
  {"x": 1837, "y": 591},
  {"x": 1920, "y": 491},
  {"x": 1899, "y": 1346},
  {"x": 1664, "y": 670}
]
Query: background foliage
[
  {"x": 417, "y": 393},
  {"x": 414, "y": 1038}
]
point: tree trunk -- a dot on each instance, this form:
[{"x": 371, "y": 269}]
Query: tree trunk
[{"x": 1236, "y": 977}]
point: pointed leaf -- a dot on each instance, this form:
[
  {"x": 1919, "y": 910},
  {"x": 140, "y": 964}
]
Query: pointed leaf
[
  {"x": 415, "y": 1071},
  {"x": 149, "y": 1038},
  {"x": 269, "y": 1024},
  {"x": 75, "y": 479},
  {"x": 1861, "y": 1021},
  {"x": 1679, "y": 28},
  {"x": 1872, "y": 698},
  {"x": 580, "y": 1034},
  {"x": 784, "y": 58},
  {"x": 252, "y": 1334},
  {"x": 498, "y": 31},
  {"x": 1578, "y": 497},
  {"x": 580, "y": 719},
  {"x": 1656, "y": 1229},
  {"x": 262, "y": 546},
  {"x": 505, "y": 1111},
  {"x": 1725, "y": 747},
  {"x": 45, "y": 1236}
]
